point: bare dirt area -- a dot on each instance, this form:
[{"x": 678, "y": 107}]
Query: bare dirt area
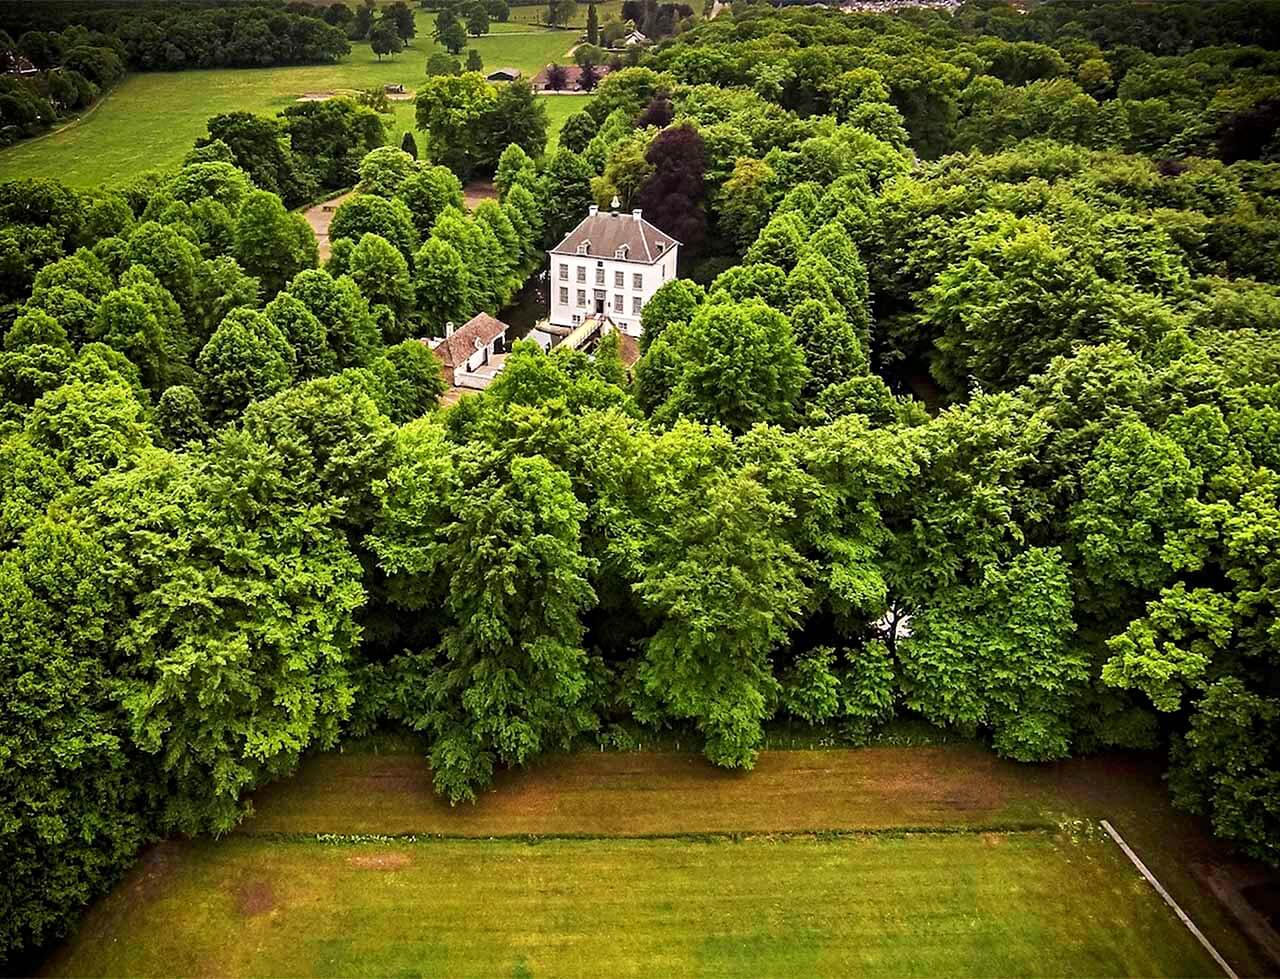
[
  {"x": 452, "y": 396},
  {"x": 628, "y": 349}
]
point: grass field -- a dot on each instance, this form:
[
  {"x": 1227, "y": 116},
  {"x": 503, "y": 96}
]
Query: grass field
[
  {"x": 924, "y": 861},
  {"x": 1032, "y": 904},
  {"x": 151, "y": 120},
  {"x": 559, "y": 108}
]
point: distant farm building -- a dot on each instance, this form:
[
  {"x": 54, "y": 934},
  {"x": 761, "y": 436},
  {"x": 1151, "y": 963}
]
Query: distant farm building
[
  {"x": 503, "y": 75},
  {"x": 572, "y": 78}
]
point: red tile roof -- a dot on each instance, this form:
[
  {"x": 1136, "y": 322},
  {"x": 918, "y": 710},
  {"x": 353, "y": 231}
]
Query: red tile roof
[
  {"x": 572, "y": 78},
  {"x": 453, "y": 350}
]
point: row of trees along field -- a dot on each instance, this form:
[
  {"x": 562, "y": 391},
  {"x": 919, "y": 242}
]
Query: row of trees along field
[{"x": 235, "y": 527}]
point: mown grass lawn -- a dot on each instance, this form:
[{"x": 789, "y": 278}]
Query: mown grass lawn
[
  {"x": 1025, "y": 904},
  {"x": 559, "y": 108},
  {"x": 151, "y": 120}
]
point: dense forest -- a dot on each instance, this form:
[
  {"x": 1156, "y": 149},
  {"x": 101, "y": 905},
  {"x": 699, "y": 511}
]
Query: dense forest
[{"x": 235, "y": 527}]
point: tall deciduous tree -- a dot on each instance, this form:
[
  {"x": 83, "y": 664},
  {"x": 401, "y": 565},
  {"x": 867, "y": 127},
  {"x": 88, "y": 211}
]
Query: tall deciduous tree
[
  {"x": 510, "y": 678},
  {"x": 566, "y": 192},
  {"x": 383, "y": 39},
  {"x": 725, "y": 587},
  {"x": 442, "y": 285},
  {"x": 247, "y": 358},
  {"x": 72, "y": 790},
  {"x": 235, "y": 659},
  {"x": 736, "y": 364},
  {"x": 383, "y": 277},
  {"x": 427, "y": 194},
  {"x": 350, "y": 330},
  {"x": 1001, "y": 654},
  {"x": 673, "y": 197},
  {"x": 271, "y": 244}
]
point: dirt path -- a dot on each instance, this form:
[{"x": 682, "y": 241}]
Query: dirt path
[
  {"x": 477, "y": 192},
  {"x": 72, "y": 123},
  {"x": 319, "y": 216}
]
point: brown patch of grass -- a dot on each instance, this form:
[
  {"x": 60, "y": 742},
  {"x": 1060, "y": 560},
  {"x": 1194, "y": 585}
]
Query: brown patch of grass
[
  {"x": 254, "y": 898},
  {"x": 618, "y": 794},
  {"x": 477, "y": 192}
]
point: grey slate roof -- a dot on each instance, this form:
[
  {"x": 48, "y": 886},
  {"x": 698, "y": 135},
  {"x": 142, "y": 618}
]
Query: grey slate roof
[{"x": 608, "y": 231}]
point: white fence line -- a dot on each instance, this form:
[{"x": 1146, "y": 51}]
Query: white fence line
[{"x": 1168, "y": 899}]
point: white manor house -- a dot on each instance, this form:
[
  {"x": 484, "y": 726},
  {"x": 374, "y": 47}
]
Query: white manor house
[{"x": 608, "y": 267}]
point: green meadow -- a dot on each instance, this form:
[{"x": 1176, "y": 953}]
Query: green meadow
[
  {"x": 1018, "y": 904},
  {"x": 152, "y": 119},
  {"x": 931, "y": 861}
]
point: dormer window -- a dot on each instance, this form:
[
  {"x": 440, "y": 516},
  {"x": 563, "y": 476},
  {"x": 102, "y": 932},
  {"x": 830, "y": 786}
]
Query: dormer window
[
  {"x": 621, "y": 252},
  {"x": 585, "y": 248},
  {"x": 662, "y": 246}
]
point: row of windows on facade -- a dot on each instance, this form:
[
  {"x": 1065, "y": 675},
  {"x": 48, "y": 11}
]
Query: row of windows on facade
[
  {"x": 619, "y": 303},
  {"x": 619, "y": 277}
]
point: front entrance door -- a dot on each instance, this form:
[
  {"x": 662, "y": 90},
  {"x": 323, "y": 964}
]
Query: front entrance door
[{"x": 599, "y": 297}]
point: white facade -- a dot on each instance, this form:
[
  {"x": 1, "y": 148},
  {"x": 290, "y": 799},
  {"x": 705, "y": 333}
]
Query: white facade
[{"x": 585, "y": 282}]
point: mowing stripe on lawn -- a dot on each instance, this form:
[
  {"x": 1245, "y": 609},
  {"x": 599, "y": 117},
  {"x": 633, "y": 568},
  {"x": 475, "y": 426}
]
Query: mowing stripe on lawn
[{"x": 926, "y": 906}]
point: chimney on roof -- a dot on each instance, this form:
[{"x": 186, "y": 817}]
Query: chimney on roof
[
  {"x": 636, "y": 214},
  {"x": 448, "y": 329},
  {"x": 592, "y": 211}
]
